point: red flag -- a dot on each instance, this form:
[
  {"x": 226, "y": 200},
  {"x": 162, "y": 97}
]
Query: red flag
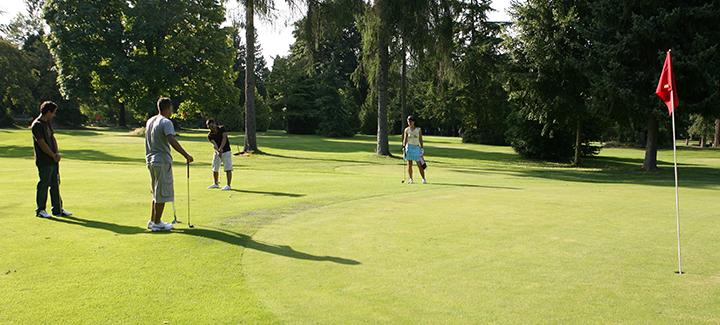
[{"x": 666, "y": 86}]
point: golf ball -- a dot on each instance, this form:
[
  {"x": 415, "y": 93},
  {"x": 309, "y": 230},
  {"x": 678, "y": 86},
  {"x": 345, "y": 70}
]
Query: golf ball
[{"x": 230, "y": 195}]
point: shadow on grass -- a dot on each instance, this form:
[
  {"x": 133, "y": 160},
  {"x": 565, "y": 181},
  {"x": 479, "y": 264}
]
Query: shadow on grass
[
  {"x": 72, "y": 154},
  {"x": 614, "y": 170},
  {"x": 473, "y": 185},
  {"x": 94, "y": 155},
  {"x": 225, "y": 236},
  {"x": 118, "y": 229},
  {"x": 246, "y": 241},
  {"x": 318, "y": 159},
  {"x": 16, "y": 152},
  {"x": 268, "y": 193}
]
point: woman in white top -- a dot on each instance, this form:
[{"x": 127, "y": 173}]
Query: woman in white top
[{"x": 413, "y": 147}]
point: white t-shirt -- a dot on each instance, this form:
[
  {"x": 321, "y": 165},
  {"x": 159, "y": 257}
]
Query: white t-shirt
[
  {"x": 413, "y": 136},
  {"x": 157, "y": 147}
]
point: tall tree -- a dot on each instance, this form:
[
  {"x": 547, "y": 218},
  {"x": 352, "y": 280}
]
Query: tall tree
[
  {"x": 131, "y": 53},
  {"x": 630, "y": 40},
  {"x": 551, "y": 84}
]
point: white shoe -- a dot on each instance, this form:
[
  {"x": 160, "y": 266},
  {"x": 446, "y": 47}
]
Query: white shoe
[
  {"x": 213, "y": 186},
  {"x": 410, "y": 181},
  {"x": 226, "y": 187},
  {"x": 424, "y": 181},
  {"x": 43, "y": 214},
  {"x": 150, "y": 224},
  {"x": 162, "y": 226},
  {"x": 64, "y": 214}
]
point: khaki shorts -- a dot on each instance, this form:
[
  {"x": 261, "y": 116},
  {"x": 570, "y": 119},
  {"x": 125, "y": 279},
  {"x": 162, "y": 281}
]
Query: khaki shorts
[
  {"x": 226, "y": 161},
  {"x": 162, "y": 182}
]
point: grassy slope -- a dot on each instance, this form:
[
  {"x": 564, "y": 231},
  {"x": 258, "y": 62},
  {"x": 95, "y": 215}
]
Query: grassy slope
[{"x": 322, "y": 231}]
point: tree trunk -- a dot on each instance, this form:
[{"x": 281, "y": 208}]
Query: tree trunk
[
  {"x": 578, "y": 143},
  {"x": 650, "y": 162},
  {"x": 717, "y": 133},
  {"x": 383, "y": 147},
  {"x": 403, "y": 89},
  {"x": 250, "y": 140},
  {"x": 702, "y": 141},
  {"x": 121, "y": 115}
]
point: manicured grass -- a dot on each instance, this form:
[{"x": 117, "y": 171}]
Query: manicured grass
[{"x": 322, "y": 231}]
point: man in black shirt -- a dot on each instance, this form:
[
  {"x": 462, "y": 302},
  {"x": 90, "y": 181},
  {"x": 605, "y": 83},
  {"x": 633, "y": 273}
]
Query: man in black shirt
[
  {"x": 47, "y": 157},
  {"x": 218, "y": 137}
]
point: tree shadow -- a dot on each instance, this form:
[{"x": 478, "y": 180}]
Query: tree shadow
[
  {"x": 95, "y": 155},
  {"x": 16, "y": 152},
  {"x": 268, "y": 193},
  {"x": 616, "y": 170},
  {"x": 473, "y": 185},
  {"x": 225, "y": 236},
  {"x": 319, "y": 159}
]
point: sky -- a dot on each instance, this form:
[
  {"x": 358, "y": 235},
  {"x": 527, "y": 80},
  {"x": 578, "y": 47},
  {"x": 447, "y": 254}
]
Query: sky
[{"x": 274, "y": 38}]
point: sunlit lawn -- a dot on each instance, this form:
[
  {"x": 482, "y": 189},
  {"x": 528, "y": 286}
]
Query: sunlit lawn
[{"x": 322, "y": 231}]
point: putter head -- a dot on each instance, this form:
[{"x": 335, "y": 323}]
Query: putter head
[
  {"x": 403, "y": 181},
  {"x": 192, "y": 226},
  {"x": 176, "y": 221}
]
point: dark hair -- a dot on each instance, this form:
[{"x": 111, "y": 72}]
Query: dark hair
[
  {"x": 210, "y": 121},
  {"x": 164, "y": 103},
  {"x": 411, "y": 118},
  {"x": 47, "y": 106}
]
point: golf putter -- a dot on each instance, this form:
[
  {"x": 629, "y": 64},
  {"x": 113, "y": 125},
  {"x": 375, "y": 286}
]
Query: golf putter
[
  {"x": 175, "y": 220},
  {"x": 188, "y": 193}
]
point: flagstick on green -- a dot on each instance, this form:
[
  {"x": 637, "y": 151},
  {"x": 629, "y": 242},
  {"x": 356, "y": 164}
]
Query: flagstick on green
[{"x": 666, "y": 91}]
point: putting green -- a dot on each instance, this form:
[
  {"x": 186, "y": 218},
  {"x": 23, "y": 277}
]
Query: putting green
[{"x": 475, "y": 250}]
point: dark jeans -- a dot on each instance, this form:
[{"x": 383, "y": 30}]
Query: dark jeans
[{"x": 49, "y": 178}]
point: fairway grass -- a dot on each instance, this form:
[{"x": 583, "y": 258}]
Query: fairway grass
[{"x": 322, "y": 231}]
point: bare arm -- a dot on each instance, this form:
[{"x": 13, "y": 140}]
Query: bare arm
[
  {"x": 224, "y": 141},
  {"x": 176, "y": 145},
  {"x": 215, "y": 146},
  {"x": 420, "y": 137}
]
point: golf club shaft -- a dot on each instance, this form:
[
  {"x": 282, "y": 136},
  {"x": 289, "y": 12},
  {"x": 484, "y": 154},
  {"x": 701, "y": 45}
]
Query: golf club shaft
[{"x": 188, "y": 193}]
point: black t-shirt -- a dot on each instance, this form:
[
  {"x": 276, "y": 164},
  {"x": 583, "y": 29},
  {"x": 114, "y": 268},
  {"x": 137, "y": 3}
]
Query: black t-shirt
[
  {"x": 218, "y": 137},
  {"x": 43, "y": 130}
]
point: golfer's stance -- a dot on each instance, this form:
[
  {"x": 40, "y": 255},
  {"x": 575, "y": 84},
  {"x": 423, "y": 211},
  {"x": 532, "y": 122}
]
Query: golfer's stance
[
  {"x": 159, "y": 136},
  {"x": 413, "y": 147},
  {"x": 218, "y": 137}
]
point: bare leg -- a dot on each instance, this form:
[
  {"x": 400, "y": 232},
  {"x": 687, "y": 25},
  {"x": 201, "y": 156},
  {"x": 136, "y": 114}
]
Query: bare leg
[
  {"x": 422, "y": 172},
  {"x": 410, "y": 168},
  {"x": 158, "y": 209},
  {"x": 216, "y": 175},
  {"x": 229, "y": 176}
]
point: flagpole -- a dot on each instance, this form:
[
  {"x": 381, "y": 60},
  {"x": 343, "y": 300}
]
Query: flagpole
[{"x": 677, "y": 197}]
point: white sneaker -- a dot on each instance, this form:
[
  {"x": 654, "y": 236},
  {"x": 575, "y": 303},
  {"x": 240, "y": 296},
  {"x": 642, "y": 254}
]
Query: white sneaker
[
  {"x": 64, "y": 214},
  {"x": 213, "y": 186},
  {"x": 410, "y": 181},
  {"x": 424, "y": 181},
  {"x": 150, "y": 224},
  {"x": 43, "y": 214},
  {"x": 226, "y": 187},
  {"x": 162, "y": 226}
]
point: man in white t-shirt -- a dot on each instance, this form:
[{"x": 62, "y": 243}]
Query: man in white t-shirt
[{"x": 159, "y": 136}]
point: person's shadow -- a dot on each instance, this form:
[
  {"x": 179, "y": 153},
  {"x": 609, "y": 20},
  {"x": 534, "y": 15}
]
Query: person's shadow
[{"x": 225, "y": 236}]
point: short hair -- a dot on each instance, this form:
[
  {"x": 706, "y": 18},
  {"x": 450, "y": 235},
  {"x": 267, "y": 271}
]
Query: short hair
[
  {"x": 47, "y": 106},
  {"x": 210, "y": 121},
  {"x": 164, "y": 103}
]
